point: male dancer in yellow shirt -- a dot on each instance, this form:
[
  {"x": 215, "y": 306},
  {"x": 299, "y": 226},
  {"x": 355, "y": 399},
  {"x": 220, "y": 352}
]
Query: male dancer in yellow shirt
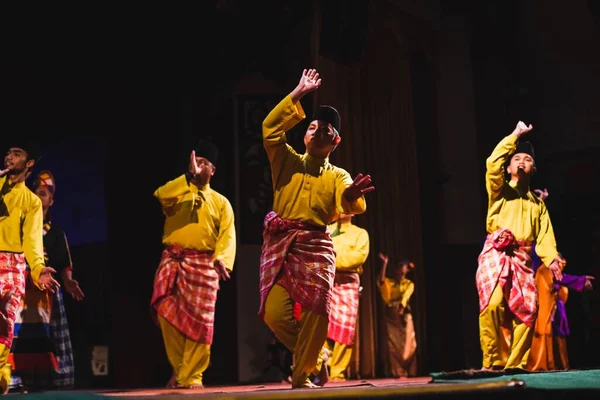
[
  {"x": 298, "y": 259},
  {"x": 516, "y": 219},
  {"x": 21, "y": 237},
  {"x": 351, "y": 245},
  {"x": 200, "y": 245}
]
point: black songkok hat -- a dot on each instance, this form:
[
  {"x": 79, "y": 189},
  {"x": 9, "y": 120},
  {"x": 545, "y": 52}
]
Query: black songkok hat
[
  {"x": 523, "y": 147},
  {"x": 32, "y": 147},
  {"x": 330, "y": 115},
  {"x": 208, "y": 150}
]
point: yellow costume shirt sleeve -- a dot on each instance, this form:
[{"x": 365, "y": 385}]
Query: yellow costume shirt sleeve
[
  {"x": 358, "y": 206},
  {"x": 170, "y": 191},
  {"x": 281, "y": 119},
  {"x": 407, "y": 293},
  {"x": 494, "y": 174},
  {"x": 225, "y": 248},
  {"x": 33, "y": 239},
  {"x": 545, "y": 245},
  {"x": 385, "y": 290}
]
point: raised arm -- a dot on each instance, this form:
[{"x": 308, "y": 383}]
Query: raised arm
[
  {"x": 494, "y": 174},
  {"x": 285, "y": 116},
  {"x": 385, "y": 260},
  {"x": 168, "y": 193}
]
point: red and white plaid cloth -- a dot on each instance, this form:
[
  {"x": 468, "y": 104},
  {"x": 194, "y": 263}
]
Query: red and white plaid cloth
[
  {"x": 344, "y": 308},
  {"x": 300, "y": 258},
  {"x": 507, "y": 262},
  {"x": 185, "y": 292},
  {"x": 12, "y": 277}
]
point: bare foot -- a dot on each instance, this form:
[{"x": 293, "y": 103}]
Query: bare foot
[
  {"x": 306, "y": 385},
  {"x": 195, "y": 386},
  {"x": 172, "y": 384}
]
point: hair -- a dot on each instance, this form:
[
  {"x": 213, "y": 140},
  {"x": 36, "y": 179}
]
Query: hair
[{"x": 410, "y": 264}]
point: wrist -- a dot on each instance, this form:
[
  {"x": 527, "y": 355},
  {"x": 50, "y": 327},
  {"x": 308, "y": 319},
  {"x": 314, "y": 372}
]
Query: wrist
[
  {"x": 347, "y": 197},
  {"x": 297, "y": 94},
  {"x": 189, "y": 176}
]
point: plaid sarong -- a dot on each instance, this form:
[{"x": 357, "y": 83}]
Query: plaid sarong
[
  {"x": 299, "y": 257},
  {"x": 64, "y": 376},
  {"x": 12, "y": 277},
  {"x": 344, "y": 308},
  {"x": 507, "y": 262},
  {"x": 185, "y": 292}
]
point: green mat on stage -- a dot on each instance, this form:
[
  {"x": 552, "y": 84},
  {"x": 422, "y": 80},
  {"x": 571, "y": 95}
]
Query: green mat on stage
[{"x": 561, "y": 380}]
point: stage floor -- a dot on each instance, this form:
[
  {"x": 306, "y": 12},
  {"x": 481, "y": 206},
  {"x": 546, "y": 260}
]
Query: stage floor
[
  {"x": 274, "y": 390},
  {"x": 459, "y": 385}
]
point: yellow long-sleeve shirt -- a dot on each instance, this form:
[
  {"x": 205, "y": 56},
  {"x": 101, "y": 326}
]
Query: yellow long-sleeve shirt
[
  {"x": 21, "y": 230},
  {"x": 394, "y": 292},
  {"x": 351, "y": 245},
  {"x": 523, "y": 213},
  {"x": 198, "y": 218},
  {"x": 305, "y": 189}
]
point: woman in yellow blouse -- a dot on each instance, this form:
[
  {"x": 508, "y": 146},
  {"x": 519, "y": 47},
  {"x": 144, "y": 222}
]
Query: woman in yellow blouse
[{"x": 400, "y": 330}]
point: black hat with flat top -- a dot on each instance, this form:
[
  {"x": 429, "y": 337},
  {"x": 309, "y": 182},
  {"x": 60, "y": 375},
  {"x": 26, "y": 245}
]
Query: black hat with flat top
[
  {"x": 208, "y": 150},
  {"x": 29, "y": 145},
  {"x": 330, "y": 115},
  {"x": 523, "y": 147}
]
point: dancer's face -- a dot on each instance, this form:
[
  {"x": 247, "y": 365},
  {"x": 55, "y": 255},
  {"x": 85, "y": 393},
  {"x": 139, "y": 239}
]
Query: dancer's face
[
  {"x": 321, "y": 139},
  {"x": 521, "y": 164}
]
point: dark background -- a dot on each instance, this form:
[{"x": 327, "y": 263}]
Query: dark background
[{"x": 120, "y": 96}]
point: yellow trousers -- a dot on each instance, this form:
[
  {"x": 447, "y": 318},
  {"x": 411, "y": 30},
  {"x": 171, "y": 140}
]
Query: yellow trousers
[
  {"x": 5, "y": 368},
  {"x": 493, "y": 340},
  {"x": 189, "y": 359},
  {"x": 304, "y": 338},
  {"x": 341, "y": 354}
]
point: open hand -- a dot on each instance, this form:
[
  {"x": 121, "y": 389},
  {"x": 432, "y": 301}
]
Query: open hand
[
  {"x": 588, "y": 283},
  {"x": 556, "y": 270},
  {"x": 309, "y": 81},
  {"x": 46, "y": 281},
  {"x": 542, "y": 194},
  {"x": 384, "y": 258},
  {"x": 72, "y": 287},
  {"x": 360, "y": 186},
  {"x": 221, "y": 270}
]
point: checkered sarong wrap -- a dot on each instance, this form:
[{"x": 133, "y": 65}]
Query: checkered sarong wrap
[
  {"x": 344, "y": 308},
  {"x": 59, "y": 327},
  {"x": 300, "y": 258},
  {"x": 185, "y": 292},
  {"x": 507, "y": 262},
  {"x": 12, "y": 277}
]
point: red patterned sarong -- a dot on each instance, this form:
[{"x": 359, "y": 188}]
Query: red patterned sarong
[
  {"x": 300, "y": 258},
  {"x": 344, "y": 308},
  {"x": 507, "y": 262},
  {"x": 12, "y": 278},
  {"x": 185, "y": 292}
]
